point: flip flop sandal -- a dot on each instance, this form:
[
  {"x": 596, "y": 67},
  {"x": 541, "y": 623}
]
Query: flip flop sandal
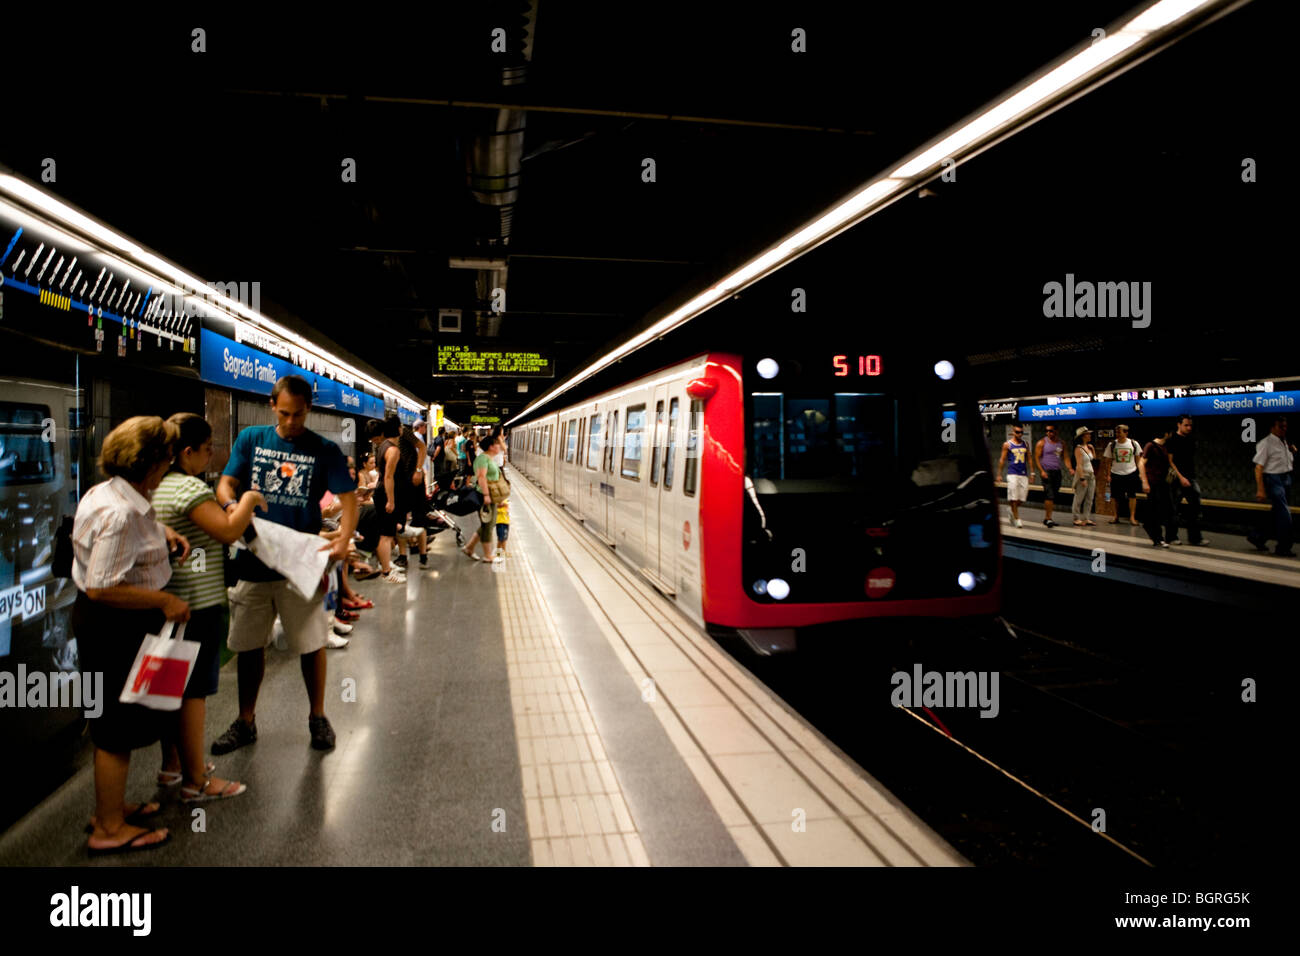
[
  {"x": 190, "y": 795},
  {"x": 130, "y": 846},
  {"x": 137, "y": 819},
  {"x": 169, "y": 778}
]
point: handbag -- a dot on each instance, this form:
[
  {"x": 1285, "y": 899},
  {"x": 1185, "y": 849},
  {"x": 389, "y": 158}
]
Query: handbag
[
  {"x": 499, "y": 489},
  {"x": 161, "y": 670},
  {"x": 463, "y": 501}
]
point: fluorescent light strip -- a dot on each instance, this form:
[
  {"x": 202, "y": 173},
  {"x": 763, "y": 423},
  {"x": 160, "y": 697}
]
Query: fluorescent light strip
[
  {"x": 875, "y": 195},
  {"x": 189, "y": 285}
]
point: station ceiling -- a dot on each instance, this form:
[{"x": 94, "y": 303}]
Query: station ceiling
[{"x": 230, "y": 162}]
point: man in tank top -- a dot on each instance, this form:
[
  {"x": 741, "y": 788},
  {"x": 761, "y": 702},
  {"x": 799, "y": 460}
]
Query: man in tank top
[
  {"x": 1015, "y": 456},
  {"x": 1049, "y": 456}
]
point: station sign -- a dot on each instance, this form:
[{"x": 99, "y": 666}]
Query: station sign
[
  {"x": 223, "y": 361},
  {"x": 485, "y": 419},
  {"x": 994, "y": 409},
  {"x": 1241, "y": 403},
  {"x": 463, "y": 361}
]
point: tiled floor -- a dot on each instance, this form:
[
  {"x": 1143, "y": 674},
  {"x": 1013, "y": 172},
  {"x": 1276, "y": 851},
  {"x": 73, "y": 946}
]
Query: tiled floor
[{"x": 576, "y": 812}]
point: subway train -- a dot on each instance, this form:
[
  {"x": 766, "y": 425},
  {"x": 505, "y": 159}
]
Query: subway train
[
  {"x": 41, "y": 437},
  {"x": 768, "y": 494}
]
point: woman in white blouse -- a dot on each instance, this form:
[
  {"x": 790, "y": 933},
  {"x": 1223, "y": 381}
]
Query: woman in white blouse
[{"x": 120, "y": 564}]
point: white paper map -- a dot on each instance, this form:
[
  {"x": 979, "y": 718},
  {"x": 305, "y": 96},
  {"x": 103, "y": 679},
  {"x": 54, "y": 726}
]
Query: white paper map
[{"x": 295, "y": 554}]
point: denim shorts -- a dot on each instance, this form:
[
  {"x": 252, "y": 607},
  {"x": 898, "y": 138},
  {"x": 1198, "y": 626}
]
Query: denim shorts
[{"x": 1051, "y": 485}]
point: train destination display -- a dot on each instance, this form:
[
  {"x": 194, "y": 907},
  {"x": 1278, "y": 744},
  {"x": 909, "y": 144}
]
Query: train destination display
[{"x": 463, "y": 360}]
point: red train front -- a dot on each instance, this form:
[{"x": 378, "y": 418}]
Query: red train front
[{"x": 839, "y": 486}]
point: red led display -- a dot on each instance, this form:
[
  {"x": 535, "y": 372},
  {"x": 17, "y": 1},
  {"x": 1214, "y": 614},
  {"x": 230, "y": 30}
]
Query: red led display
[{"x": 867, "y": 365}]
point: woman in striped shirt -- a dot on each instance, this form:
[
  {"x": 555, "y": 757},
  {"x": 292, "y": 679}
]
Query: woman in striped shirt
[{"x": 185, "y": 502}]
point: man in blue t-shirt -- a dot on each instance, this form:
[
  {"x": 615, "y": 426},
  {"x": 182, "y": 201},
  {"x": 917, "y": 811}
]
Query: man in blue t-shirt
[{"x": 293, "y": 468}]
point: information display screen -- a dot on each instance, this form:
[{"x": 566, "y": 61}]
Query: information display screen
[{"x": 463, "y": 360}]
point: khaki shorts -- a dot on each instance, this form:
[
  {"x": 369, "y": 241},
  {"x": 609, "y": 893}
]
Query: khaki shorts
[{"x": 253, "y": 609}]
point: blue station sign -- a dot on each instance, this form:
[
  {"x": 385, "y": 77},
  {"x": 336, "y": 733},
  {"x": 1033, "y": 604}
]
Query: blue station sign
[
  {"x": 223, "y": 361},
  {"x": 1253, "y": 403}
]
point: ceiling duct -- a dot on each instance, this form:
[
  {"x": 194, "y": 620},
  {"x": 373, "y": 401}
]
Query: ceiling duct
[{"x": 494, "y": 158}]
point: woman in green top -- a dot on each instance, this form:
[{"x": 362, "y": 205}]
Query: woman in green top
[
  {"x": 485, "y": 470},
  {"x": 184, "y": 501}
]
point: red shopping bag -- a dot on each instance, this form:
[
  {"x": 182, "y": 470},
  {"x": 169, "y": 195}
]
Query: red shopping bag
[{"x": 162, "y": 669}]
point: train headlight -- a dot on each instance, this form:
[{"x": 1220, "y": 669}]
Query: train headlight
[
  {"x": 778, "y": 589},
  {"x": 767, "y": 368},
  {"x": 760, "y": 587},
  {"x": 966, "y": 581},
  {"x": 944, "y": 370}
]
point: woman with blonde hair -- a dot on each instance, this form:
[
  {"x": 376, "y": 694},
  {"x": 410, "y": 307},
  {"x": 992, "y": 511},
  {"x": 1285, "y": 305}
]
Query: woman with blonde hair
[{"x": 121, "y": 566}]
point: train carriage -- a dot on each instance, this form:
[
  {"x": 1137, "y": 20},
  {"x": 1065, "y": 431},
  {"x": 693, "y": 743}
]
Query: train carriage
[{"x": 766, "y": 495}]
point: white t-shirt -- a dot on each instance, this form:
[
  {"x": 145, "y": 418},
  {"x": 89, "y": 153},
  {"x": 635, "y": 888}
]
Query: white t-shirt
[
  {"x": 1273, "y": 453},
  {"x": 1124, "y": 454}
]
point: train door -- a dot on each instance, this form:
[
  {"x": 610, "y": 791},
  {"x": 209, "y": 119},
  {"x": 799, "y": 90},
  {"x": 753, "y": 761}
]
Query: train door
[
  {"x": 596, "y": 437},
  {"x": 671, "y": 532},
  {"x": 653, "y": 488}
]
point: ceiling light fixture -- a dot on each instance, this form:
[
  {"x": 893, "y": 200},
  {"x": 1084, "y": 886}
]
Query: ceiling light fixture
[
  {"x": 1074, "y": 75},
  {"x": 86, "y": 228}
]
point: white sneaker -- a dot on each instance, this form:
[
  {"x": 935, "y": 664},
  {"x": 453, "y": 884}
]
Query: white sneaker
[
  {"x": 342, "y": 627},
  {"x": 1018, "y": 524},
  {"x": 334, "y": 642},
  {"x": 395, "y": 575}
]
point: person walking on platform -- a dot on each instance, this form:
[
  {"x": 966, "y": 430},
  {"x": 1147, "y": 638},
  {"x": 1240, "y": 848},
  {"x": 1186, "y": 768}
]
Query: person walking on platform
[
  {"x": 387, "y": 503},
  {"x": 1274, "y": 461},
  {"x": 120, "y": 566},
  {"x": 1158, "y": 472},
  {"x": 486, "y": 471},
  {"x": 1085, "y": 477},
  {"x": 503, "y": 527},
  {"x": 1015, "y": 457},
  {"x": 1124, "y": 479},
  {"x": 1182, "y": 452},
  {"x": 293, "y": 467},
  {"x": 1049, "y": 455},
  {"x": 186, "y": 503}
]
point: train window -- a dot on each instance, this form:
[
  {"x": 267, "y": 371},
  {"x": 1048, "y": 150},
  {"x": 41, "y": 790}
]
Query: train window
[
  {"x": 546, "y": 441},
  {"x": 693, "y": 446},
  {"x": 632, "y": 441},
  {"x": 24, "y": 458},
  {"x": 670, "y": 456},
  {"x": 612, "y": 441},
  {"x": 593, "y": 441},
  {"x": 834, "y": 442},
  {"x": 654, "y": 447},
  {"x": 571, "y": 441}
]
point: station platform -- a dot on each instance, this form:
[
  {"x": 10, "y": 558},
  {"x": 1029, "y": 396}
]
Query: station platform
[
  {"x": 1229, "y": 569},
  {"x": 547, "y": 710}
]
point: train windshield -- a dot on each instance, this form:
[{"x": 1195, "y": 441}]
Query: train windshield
[
  {"x": 866, "y": 467},
  {"x": 855, "y": 442}
]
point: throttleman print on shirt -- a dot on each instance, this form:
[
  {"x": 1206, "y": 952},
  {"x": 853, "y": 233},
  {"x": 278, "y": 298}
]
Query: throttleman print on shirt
[{"x": 283, "y": 478}]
